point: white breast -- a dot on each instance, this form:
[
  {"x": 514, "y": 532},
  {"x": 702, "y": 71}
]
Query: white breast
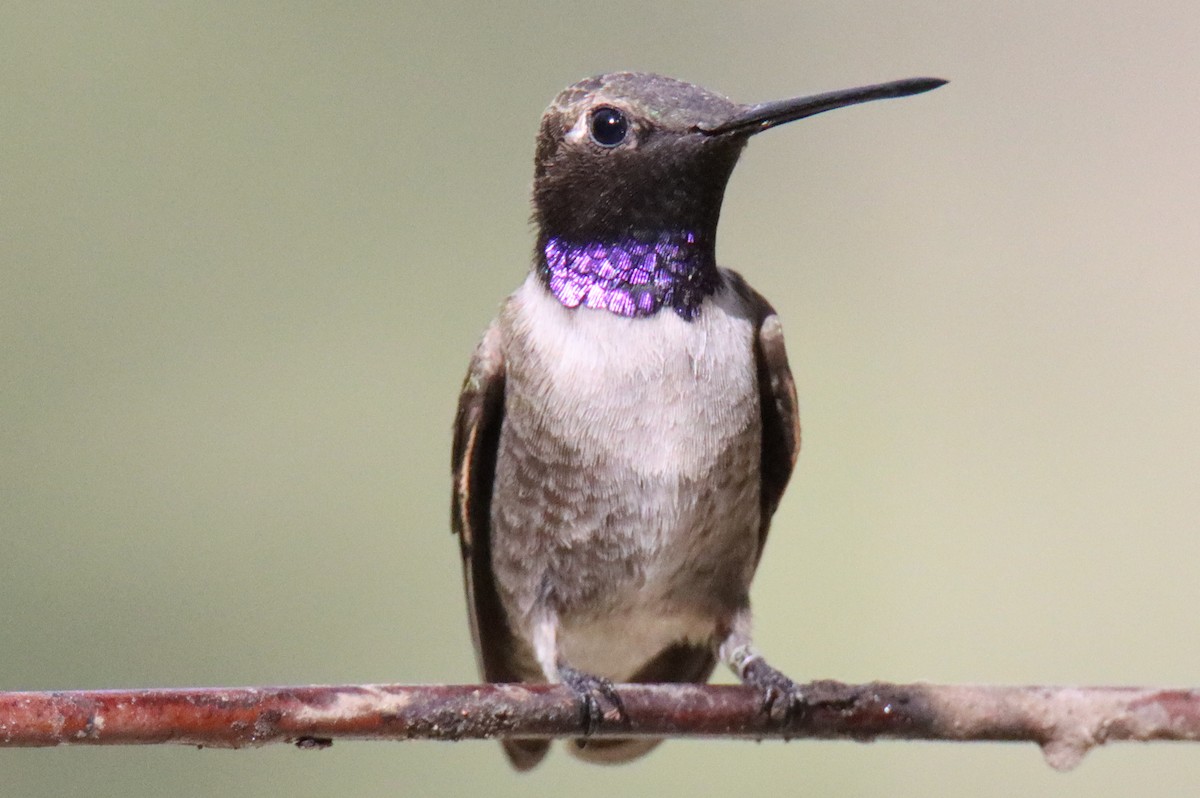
[{"x": 688, "y": 385}]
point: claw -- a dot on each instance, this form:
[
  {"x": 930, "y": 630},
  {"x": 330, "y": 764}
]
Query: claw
[
  {"x": 593, "y": 692},
  {"x": 783, "y": 701}
]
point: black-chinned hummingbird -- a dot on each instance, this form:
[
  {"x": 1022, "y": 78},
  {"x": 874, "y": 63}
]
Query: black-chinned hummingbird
[{"x": 628, "y": 423}]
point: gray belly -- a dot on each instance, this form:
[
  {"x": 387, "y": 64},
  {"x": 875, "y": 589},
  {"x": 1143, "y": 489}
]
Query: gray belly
[{"x": 627, "y": 565}]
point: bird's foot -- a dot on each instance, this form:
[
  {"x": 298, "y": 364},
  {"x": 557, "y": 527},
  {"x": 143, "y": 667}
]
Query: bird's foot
[
  {"x": 782, "y": 699},
  {"x": 598, "y": 699}
]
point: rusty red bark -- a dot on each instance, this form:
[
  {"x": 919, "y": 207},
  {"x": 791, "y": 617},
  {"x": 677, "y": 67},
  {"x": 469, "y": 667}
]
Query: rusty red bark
[{"x": 1065, "y": 721}]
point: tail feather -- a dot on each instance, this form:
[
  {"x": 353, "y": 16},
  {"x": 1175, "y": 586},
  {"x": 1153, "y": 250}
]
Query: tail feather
[{"x": 611, "y": 752}]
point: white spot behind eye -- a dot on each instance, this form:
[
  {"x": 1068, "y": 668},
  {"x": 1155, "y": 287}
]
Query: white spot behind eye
[{"x": 579, "y": 131}]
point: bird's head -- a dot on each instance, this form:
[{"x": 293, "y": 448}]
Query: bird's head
[
  {"x": 636, "y": 153},
  {"x": 630, "y": 173}
]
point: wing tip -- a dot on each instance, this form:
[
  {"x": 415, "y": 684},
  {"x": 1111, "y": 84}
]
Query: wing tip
[{"x": 525, "y": 754}]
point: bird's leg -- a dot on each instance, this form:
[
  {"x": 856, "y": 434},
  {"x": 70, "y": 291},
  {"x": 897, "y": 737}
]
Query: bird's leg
[
  {"x": 593, "y": 692},
  {"x": 782, "y": 698}
]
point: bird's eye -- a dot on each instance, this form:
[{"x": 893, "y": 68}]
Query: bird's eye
[{"x": 609, "y": 126}]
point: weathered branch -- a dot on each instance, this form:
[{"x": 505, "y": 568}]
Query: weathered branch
[{"x": 1065, "y": 721}]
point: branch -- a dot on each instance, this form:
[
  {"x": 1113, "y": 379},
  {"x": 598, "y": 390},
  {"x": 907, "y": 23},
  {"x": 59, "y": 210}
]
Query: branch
[{"x": 1065, "y": 721}]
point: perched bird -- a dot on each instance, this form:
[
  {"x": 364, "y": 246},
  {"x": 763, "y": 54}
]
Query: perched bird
[{"x": 628, "y": 422}]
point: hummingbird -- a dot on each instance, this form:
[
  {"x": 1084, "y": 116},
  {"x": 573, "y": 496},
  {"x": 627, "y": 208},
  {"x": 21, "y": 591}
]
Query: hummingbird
[{"x": 628, "y": 422}]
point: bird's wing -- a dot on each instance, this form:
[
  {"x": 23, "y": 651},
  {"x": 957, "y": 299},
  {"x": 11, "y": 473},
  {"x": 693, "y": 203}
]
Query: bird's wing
[
  {"x": 473, "y": 462},
  {"x": 777, "y": 398}
]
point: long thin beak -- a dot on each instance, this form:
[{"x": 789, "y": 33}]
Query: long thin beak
[{"x": 757, "y": 118}]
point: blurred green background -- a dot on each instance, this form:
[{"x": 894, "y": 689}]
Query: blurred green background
[{"x": 247, "y": 249}]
